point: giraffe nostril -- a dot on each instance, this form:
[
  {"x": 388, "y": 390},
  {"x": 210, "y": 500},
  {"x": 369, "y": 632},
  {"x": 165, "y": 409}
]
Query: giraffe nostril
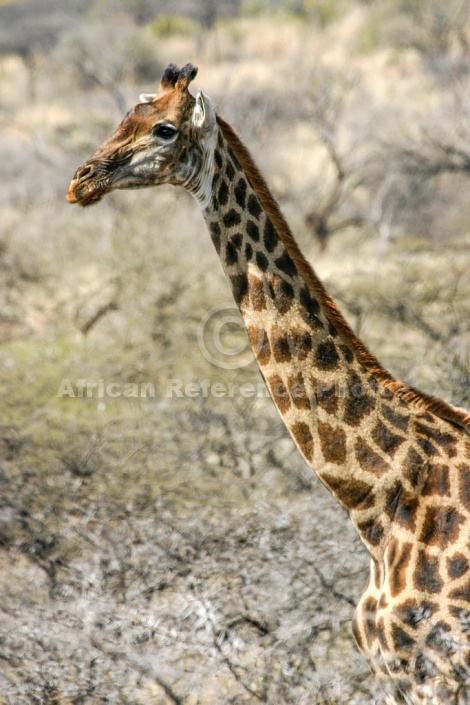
[{"x": 85, "y": 172}]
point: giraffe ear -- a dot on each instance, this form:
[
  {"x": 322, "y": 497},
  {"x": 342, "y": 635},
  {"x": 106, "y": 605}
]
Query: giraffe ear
[
  {"x": 147, "y": 97},
  {"x": 203, "y": 114}
]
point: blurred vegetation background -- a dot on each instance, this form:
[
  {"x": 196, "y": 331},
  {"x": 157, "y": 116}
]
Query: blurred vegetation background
[{"x": 163, "y": 549}]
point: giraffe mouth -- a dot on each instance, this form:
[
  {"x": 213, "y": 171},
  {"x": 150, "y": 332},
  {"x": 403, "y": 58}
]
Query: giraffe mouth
[
  {"x": 85, "y": 194},
  {"x": 88, "y": 185}
]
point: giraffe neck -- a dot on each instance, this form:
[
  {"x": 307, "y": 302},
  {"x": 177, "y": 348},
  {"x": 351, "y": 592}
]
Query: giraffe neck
[{"x": 335, "y": 399}]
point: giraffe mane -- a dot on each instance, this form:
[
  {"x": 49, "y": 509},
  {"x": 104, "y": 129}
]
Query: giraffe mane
[{"x": 455, "y": 415}]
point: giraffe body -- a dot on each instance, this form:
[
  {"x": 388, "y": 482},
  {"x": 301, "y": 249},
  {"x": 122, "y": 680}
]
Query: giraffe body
[{"x": 396, "y": 459}]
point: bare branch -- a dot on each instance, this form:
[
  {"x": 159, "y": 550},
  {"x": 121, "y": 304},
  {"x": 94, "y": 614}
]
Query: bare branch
[{"x": 140, "y": 665}]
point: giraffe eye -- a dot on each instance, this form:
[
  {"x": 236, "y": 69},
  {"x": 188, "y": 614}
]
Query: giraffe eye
[{"x": 165, "y": 132}]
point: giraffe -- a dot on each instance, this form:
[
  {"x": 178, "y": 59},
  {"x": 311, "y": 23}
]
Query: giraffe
[{"x": 396, "y": 459}]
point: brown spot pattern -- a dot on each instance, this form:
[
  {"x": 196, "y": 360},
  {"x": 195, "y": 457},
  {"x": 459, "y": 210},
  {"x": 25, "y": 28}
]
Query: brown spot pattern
[
  {"x": 393, "y": 496},
  {"x": 326, "y": 355},
  {"x": 280, "y": 345},
  {"x": 240, "y": 192},
  {"x": 437, "y": 640},
  {"x": 303, "y": 436},
  {"x": 310, "y": 309},
  {"x": 348, "y": 354},
  {"x": 353, "y": 494},
  {"x": 413, "y": 613},
  {"x": 239, "y": 284},
  {"x": 333, "y": 443},
  {"x": 325, "y": 395},
  {"x": 398, "y": 559},
  {"x": 369, "y": 613},
  {"x": 441, "y": 526},
  {"x": 368, "y": 459},
  {"x": 262, "y": 261},
  {"x": 437, "y": 482},
  {"x": 270, "y": 237},
  {"x": 377, "y": 573},
  {"x": 381, "y": 636},
  {"x": 231, "y": 253},
  {"x": 302, "y": 341},
  {"x": 308, "y": 301},
  {"x": 286, "y": 264},
  {"x": 279, "y": 393},
  {"x": 457, "y": 565},
  {"x": 401, "y": 506},
  {"x": 223, "y": 194},
  {"x": 237, "y": 240},
  {"x": 358, "y": 404},
  {"x": 260, "y": 343},
  {"x": 427, "y": 446},
  {"x": 461, "y": 614},
  {"x": 258, "y": 300},
  {"x": 401, "y": 639},
  {"x": 298, "y": 392},
  {"x": 252, "y": 230},
  {"x": 406, "y": 512},
  {"x": 394, "y": 417},
  {"x": 254, "y": 207},
  {"x": 446, "y": 441},
  {"x": 372, "y": 531},
  {"x": 387, "y": 441},
  {"x": 426, "y": 576},
  {"x": 231, "y": 218},
  {"x": 282, "y": 293},
  {"x": 413, "y": 467},
  {"x": 230, "y": 170}
]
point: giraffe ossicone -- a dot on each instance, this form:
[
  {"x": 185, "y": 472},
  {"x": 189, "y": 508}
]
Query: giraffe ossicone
[{"x": 398, "y": 460}]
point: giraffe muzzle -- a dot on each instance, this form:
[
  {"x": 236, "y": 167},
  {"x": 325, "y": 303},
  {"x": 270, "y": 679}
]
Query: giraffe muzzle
[{"x": 85, "y": 188}]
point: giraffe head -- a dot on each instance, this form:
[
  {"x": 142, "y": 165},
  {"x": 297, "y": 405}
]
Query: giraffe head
[{"x": 166, "y": 138}]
